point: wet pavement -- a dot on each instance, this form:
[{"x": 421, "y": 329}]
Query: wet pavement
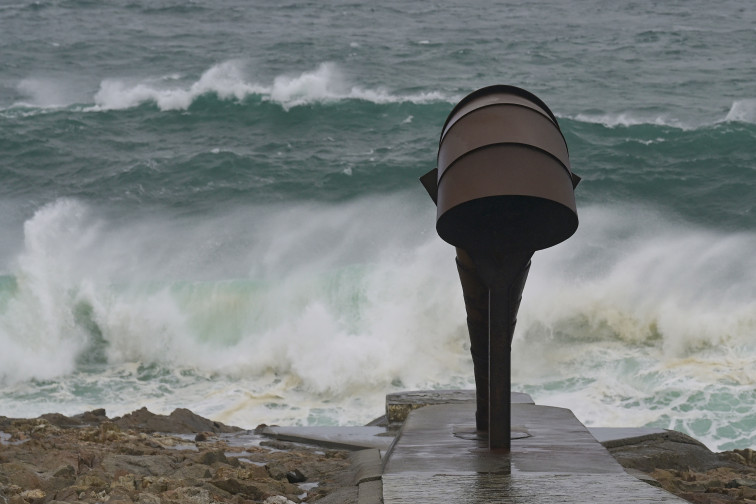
[
  {"x": 426, "y": 450},
  {"x": 349, "y": 438},
  {"x": 438, "y": 457}
]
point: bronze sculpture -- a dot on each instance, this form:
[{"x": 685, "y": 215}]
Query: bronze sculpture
[{"x": 503, "y": 188}]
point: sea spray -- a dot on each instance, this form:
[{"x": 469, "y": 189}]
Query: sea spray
[
  {"x": 203, "y": 150},
  {"x": 636, "y": 322},
  {"x": 743, "y": 111},
  {"x": 232, "y": 80},
  {"x": 37, "y": 325},
  {"x": 641, "y": 320},
  {"x": 323, "y": 310}
]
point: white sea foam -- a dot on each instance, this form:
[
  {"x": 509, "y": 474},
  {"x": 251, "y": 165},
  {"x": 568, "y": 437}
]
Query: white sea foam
[
  {"x": 230, "y": 80},
  {"x": 312, "y": 313},
  {"x": 226, "y": 80},
  {"x": 642, "y": 320},
  {"x": 318, "y": 306},
  {"x": 742, "y": 111},
  {"x": 37, "y": 330},
  {"x": 632, "y": 276},
  {"x": 44, "y": 93},
  {"x": 626, "y": 119}
]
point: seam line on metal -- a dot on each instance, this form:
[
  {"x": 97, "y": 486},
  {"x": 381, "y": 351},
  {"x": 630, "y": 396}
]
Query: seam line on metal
[
  {"x": 451, "y": 124},
  {"x": 441, "y": 173}
]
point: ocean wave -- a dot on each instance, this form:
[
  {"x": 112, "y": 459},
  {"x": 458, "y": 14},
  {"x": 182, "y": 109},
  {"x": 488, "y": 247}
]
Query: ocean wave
[
  {"x": 44, "y": 95},
  {"x": 38, "y": 332},
  {"x": 742, "y": 111},
  {"x": 319, "y": 292},
  {"x": 642, "y": 319},
  {"x": 628, "y": 277},
  {"x": 633, "y": 276},
  {"x": 228, "y": 81},
  {"x": 628, "y": 119},
  {"x": 625, "y": 323}
]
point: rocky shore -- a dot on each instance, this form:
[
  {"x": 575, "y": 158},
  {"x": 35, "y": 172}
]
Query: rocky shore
[
  {"x": 688, "y": 469},
  {"x": 131, "y": 459},
  {"x": 145, "y": 458}
]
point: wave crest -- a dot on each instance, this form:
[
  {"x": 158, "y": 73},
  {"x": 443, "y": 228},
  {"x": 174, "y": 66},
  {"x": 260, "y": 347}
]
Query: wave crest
[
  {"x": 740, "y": 111},
  {"x": 628, "y": 119},
  {"x": 228, "y": 81},
  {"x": 743, "y": 111}
]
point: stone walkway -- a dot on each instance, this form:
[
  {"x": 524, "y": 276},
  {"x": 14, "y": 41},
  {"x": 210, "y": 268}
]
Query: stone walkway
[{"x": 438, "y": 457}]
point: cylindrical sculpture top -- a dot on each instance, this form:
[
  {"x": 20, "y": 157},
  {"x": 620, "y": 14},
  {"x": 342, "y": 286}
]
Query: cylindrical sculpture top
[{"x": 504, "y": 178}]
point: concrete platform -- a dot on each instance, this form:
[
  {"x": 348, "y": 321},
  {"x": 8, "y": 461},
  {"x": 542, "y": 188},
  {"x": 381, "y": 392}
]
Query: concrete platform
[
  {"x": 345, "y": 438},
  {"x": 400, "y": 404},
  {"x": 426, "y": 450},
  {"x": 438, "y": 457}
]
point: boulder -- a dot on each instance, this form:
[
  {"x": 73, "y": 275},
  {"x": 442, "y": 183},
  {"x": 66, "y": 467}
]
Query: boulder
[{"x": 180, "y": 421}]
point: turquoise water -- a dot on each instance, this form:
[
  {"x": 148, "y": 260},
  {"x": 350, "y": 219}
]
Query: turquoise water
[{"x": 216, "y": 206}]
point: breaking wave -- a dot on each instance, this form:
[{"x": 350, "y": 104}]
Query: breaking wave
[
  {"x": 637, "y": 320},
  {"x": 229, "y": 80}
]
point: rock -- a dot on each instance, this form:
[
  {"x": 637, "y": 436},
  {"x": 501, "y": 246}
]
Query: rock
[
  {"x": 188, "y": 495},
  {"x": 92, "y": 417},
  {"x": 192, "y": 472},
  {"x": 127, "y": 482},
  {"x": 197, "y": 423},
  {"x": 109, "y": 432},
  {"x": 94, "y": 480},
  {"x": 671, "y": 450},
  {"x": 41, "y": 428},
  {"x": 296, "y": 476},
  {"x": 278, "y": 499},
  {"x": 20, "y": 475},
  {"x": 276, "y": 470},
  {"x": 91, "y": 459},
  {"x": 59, "y": 420},
  {"x": 67, "y": 494},
  {"x": 213, "y": 457},
  {"x": 66, "y": 471},
  {"x": 748, "y": 456},
  {"x": 236, "y": 487},
  {"x": 734, "y": 457},
  {"x": 741, "y": 482},
  {"x": 155, "y": 484},
  {"x": 147, "y": 498},
  {"x": 36, "y": 496},
  {"x": 242, "y": 473},
  {"x": 145, "y": 466},
  {"x": 180, "y": 421},
  {"x": 747, "y": 493},
  {"x": 121, "y": 495}
]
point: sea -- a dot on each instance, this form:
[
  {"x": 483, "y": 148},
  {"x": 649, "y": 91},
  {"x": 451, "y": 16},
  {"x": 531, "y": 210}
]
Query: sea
[{"x": 215, "y": 205}]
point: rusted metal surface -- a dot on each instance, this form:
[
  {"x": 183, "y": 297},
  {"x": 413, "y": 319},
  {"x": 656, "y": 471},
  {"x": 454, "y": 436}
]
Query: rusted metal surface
[
  {"x": 504, "y": 188},
  {"x": 503, "y": 176}
]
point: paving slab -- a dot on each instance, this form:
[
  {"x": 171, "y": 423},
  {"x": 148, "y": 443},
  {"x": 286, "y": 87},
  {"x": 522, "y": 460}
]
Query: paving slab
[
  {"x": 438, "y": 457},
  {"x": 349, "y": 438},
  {"x": 399, "y": 404}
]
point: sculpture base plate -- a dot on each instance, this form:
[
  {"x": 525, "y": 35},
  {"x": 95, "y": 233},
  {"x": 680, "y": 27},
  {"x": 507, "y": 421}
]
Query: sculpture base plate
[{"x": 472, "y": 434}]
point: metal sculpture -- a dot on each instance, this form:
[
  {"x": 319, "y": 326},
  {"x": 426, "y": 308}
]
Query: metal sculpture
[{"x": 503, "y": 189}]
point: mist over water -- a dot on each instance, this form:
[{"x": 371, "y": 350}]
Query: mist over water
[
  {"x": 640, "y": 320},
  {"x": 239, "y": 299},
  {"x": 202, "y": 210},
  {"x": 636, "y": 320}
]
